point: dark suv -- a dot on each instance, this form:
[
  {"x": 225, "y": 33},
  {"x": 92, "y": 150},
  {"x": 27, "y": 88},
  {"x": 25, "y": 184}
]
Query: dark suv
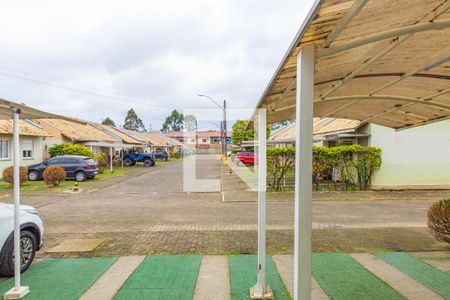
[
  {"x": 78, "y": 167},
  {"x": 159, "y": 154}
]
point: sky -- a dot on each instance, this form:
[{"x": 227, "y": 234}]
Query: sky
[{"x": 97, "y": 59}]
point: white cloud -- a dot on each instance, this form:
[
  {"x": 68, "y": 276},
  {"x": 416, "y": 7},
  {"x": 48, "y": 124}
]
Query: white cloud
[{"x": 163, "y": 52}]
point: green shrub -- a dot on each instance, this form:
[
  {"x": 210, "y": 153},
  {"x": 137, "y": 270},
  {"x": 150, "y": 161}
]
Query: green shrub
[
  {"x": 102, "y": 161},
  {"x": 439, "y": 220},
  {"x": 279, "y": 162},
  {"x": 8, "y": 175},
  {"x": 175, "y": 155},
  {"x": 54, "y": 175},
  {"x": 69, "y": 149}
]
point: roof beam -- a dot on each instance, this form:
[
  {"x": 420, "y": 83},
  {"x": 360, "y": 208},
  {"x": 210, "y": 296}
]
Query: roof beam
[
  {"x": 351, "y": 13},
  {"x": 425, "y": 99},
  {"x": 385, "y": 97},
  {"x": 424, "y": 123},
  {"x": 425, "y": 67},
  {"x": 286, "y": 92},
  {"x": 388, "y": 34},
  {"x": 394, "y": 43}
]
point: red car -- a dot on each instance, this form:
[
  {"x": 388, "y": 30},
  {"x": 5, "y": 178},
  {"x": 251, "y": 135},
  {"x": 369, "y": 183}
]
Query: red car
[{"x": 244, "y": 158}]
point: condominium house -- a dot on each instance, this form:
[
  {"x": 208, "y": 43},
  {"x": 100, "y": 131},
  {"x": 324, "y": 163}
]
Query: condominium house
[
  {"x": 414, "y": 158},
  {"x": 31, "y": 138},
  {"x": 208, "y": 141},
  {"x": 76, "y": 132}
]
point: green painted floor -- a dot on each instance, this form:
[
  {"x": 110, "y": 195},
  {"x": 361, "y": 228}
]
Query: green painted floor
[
  {"x": 175, "y": 277},
  {"x": 162, "y": 277},
  {"x": 243, "y": 275},
  {"x": 66, "y": 278}
]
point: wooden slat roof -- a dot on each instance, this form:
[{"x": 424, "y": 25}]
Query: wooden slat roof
[
  {"x": 379, "y": 61},
  {"x": 27, "y": 128},
  {"x": 76, "y": 131}
]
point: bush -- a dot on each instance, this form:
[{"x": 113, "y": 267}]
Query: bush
[
  {"x": 54, "y": 175},
  {"x": 439, "y": 220},
  {"x": 175, "y": 155},
  {"x": 279, "y": 162},
  {"x": 8, "y": 174},
  {"x": 69, "y": 149},
  {"x": 102, "y": 161}
]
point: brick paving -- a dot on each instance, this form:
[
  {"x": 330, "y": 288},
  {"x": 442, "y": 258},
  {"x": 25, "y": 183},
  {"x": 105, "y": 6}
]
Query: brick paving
[{"x": 147, "y": 212}]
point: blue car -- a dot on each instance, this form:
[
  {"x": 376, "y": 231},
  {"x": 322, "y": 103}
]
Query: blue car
[{"x": 133, "y": 156}]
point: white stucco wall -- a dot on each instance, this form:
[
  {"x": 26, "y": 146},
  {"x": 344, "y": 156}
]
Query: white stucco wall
[
  {"x": 38, "y": 152},
  {"x": 413, "y": 158}
]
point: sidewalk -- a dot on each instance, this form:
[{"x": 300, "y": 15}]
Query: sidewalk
[{"x": 382, "y": 275}]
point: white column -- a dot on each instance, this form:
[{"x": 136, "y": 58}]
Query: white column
[
  {"x": 18, "y": 291},
  {"x": 111, "y": 159},
  {"x": 261, "y": 290},
  {"x": 303, "y": 173}
]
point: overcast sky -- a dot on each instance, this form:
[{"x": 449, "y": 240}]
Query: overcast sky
[{"x": 93, "y": 59}]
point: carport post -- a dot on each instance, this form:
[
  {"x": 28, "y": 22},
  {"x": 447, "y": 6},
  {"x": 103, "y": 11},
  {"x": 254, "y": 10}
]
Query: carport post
[
  {"x": 303, "y": 173},
  {"x": 18, "y": 291},
  {"x": 261, "y": 290}
]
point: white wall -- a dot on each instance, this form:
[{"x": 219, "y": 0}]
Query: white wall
[
  {"x": 417, "y": 157},
  {"x": 37, "y": 156}
]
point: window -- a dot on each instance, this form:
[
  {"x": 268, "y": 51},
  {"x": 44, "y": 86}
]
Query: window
[
  {"x": 192, "y": 140},
  {"x": 203, "y": 140},
  {"x": 27, "y": 148},
  {"x": 215, "y": 140},
  {"x": 4, "y": 149}
]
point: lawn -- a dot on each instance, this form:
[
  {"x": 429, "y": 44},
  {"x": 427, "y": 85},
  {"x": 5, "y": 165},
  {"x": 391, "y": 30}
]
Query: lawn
[{"x": 40, "y": 184}]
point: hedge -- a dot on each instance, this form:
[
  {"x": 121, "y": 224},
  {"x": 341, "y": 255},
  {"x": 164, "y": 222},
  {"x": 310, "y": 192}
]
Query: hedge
[
  {"x": 355, "y": 164},
  {"x": 69, "y": 149}
]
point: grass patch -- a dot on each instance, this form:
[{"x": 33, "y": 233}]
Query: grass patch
[{"x": 68, "y": 183}]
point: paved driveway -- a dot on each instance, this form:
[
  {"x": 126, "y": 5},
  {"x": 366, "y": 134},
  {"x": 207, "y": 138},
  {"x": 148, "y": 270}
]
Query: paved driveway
[{"x": 150, "y": 213}]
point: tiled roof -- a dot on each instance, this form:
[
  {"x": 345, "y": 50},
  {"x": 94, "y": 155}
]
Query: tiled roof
[
  {"x": 79, "y": 132},
  {"x": 27, "y": 128}
]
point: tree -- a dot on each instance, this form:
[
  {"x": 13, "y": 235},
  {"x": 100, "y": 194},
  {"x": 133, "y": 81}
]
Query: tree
[
  {"x": 190, "y": 123},
  {"x": 133, "y": 122},
  {"x": 174, "y": 122},
  {"x": 108, "y": 121},
  {"x": 240, "y": 132}
]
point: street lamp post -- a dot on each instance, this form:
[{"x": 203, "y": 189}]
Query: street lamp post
[{"x": 223, "y": 127}]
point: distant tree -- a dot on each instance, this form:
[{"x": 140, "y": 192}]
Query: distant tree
[
  {"x": 108, "y": 121},
  {"x": 190, "y": 123},
  {"x": 133, "y": 122},
  {"x": 174, "y": 122},
  {"x": 240, "y": 132}
]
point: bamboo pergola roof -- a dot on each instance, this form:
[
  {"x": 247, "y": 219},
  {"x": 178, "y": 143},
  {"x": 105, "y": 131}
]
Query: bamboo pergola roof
[{"x": 377, "y": 61}]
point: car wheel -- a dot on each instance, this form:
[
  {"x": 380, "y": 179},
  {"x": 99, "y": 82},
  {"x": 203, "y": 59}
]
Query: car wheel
[
  {"x": 240, "y": 163},
  {"x": 127, "y": 162},
  {"x": 166, "y": 159},
  {"x": 80, "y": 176},
  {"x": 27, "y": 251},
  {"x": 33, "y": 175},
  {"x": 149, "y": 163}
]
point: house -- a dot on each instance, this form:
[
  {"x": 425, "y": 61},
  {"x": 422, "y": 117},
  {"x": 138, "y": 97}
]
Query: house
[
  {"x": 31, "y": 138},
  {"x": 204, "y": 141},
  {"x": 416, "y": 158},
  {"x": 76, "y": 132},
  {"x": 159, "y": 141}
]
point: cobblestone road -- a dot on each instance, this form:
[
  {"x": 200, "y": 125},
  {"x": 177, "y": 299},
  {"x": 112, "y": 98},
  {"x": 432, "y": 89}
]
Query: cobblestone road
[{"x": 149, "y": 213}]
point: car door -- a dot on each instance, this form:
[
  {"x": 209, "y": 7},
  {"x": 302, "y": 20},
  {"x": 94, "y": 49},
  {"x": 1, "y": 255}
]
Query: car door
[{"x": 70, "y": 165}]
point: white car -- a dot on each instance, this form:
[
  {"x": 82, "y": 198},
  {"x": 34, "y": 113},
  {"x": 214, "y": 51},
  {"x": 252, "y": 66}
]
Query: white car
[{"x": 31, "y": 234}]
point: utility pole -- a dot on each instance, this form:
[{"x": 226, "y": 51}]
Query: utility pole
[{"x": 225, "y": 128}]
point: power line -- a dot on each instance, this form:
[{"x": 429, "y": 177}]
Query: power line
[{"x": 85, "y": 90}]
